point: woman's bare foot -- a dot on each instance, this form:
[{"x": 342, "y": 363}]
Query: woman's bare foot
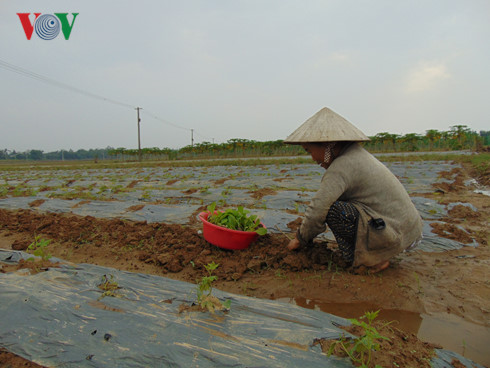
[
  {"x": 379, "y": 267},
  {"x": 367, "y": 270}
]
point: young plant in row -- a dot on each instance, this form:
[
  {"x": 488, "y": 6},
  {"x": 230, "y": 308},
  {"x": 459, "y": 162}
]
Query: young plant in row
[
  {"x": 38, "y": 248},
  {"x": 205, "y": 298},
  {"x": 360, "y": 349},
  {"x": 109, "y": 286}
]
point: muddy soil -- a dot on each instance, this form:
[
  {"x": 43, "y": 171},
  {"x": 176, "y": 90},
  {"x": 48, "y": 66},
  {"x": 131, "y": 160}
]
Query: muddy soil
[
  {"x": 453, "y": 282},
  {"x": 10, "y": 360},
  {"x": 386, "y": 351}
]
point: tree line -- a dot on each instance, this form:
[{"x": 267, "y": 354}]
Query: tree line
[
  {"x": 459, "y": 137},
  {"x": 37, "y": 155}
]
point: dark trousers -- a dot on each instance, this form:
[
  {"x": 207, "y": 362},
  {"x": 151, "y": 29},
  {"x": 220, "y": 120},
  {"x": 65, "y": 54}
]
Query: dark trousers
[{"x": 342, "y": 219}]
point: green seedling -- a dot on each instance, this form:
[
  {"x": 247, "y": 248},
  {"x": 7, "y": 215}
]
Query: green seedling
[
  {"x": 296, "y": 207},
  {"x": 360, "y": 349},
  {"x": 205, "y": 285},
  {"x": 22, "y": 191},
  {"x": 109, "y": 286},
  {"x": 38, "y": 247},
  {"x": 235, "y": 219},
  {"x": 102, "y": 189},
  {"x": 204, "y": 291},
  {"x": 3, "y": 190},
  {"x": 205, "y": 190}
]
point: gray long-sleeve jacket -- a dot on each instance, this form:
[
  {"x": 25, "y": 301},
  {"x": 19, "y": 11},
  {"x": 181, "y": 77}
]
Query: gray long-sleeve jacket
[{"x": 359, "y": 178}]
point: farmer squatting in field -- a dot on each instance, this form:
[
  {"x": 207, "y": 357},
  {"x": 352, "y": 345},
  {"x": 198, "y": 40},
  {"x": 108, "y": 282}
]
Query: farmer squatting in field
[{"x": 362, "y": 202}]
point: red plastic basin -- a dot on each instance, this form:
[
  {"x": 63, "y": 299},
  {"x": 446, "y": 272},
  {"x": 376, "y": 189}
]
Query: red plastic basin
[{"x": 224, "y": 237}]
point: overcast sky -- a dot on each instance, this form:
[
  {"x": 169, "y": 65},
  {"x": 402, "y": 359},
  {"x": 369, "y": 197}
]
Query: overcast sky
[{"x": 253, "y": 69}]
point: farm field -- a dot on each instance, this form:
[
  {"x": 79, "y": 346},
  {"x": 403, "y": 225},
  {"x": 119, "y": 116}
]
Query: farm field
[{"x": 144, "y": 220}]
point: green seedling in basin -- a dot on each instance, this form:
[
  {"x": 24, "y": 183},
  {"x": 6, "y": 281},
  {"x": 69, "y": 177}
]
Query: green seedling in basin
[
  {"x": 38, "y": 248},
  {"x": 235, "y": 219}
]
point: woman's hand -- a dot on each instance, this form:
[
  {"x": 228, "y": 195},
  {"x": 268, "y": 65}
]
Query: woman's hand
[{"x": 293, "y": 244}]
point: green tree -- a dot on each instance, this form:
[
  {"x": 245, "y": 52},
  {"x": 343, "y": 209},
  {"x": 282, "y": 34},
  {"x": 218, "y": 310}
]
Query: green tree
[
  {"x": 387, "y": 138},
  {"x": 485, "y": 134},
  {"x": 460, "y": 133},
  {"x": 432, "y": 135},
  {"x": 393, "y": 138},
  {"x": 36, "y": 155},
  {"x": 411, "y": 140}
]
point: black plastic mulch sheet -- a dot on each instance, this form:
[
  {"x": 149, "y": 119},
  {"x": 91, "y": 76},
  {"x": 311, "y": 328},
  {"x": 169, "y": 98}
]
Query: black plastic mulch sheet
[{"x": 61, "y": 318}]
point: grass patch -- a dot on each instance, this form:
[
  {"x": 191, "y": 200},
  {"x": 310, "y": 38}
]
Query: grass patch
[
  {"x": 84, "y": 165},
  {"x": 478, "y": 160}
]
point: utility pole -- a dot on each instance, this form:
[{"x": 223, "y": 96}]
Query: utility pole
[
  {"x": 192, "y": 137},
  {"x": 139, "y": 139}
]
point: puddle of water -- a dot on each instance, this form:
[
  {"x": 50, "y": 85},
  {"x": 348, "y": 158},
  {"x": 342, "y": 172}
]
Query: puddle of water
[{"x": 451, "y": 332}]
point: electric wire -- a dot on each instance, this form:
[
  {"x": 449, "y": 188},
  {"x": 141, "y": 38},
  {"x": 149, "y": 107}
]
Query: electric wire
[
  {"x": 154, "y": 116},
  {"x": 204, "y": 137},
  {"x": 29, "y": 74},
  {"x": 41, "y": 78},
  {"x": 163, "y": 120}
]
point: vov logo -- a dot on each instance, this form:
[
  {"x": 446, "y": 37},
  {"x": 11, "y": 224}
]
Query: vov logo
[{"x": 47, "y": 26}]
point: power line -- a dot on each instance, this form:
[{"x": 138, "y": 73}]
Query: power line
[
  {"x": 204, "y": 137},
  {"x": 42, "y": 78},
  {"x": 29, "y": 74},
  {"x": 193, "y": 131},
  {"x": 164, "y": 121}
]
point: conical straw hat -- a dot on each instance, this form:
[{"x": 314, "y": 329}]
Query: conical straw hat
[{"x": 326, "y": 126}]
